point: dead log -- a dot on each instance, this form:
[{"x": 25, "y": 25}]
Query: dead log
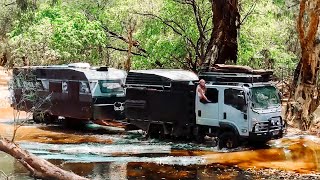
[{"x": 38, "y": 167}]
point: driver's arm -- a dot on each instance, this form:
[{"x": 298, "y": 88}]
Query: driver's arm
[{"x": 202, "y": 95}]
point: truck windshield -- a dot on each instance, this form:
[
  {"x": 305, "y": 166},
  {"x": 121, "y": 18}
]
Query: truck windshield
[
  {"x": 265, "y": 97},
  {"x": 111, "y": 86}
]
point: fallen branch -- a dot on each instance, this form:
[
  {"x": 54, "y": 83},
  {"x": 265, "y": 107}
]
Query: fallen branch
[
  {"x": 38, "y": 167},
  {"x": 4, "y": 174}
]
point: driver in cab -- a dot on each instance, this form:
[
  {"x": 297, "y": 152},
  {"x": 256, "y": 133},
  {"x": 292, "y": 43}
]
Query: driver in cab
[{"x": 201, "y": 90}]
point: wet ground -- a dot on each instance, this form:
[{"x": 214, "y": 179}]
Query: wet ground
[
  {"x": 110, "y": 153},
  {"x": 104, "y": 154}
]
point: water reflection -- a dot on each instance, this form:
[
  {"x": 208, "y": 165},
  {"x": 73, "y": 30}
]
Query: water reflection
[
  {"x": 156, "y": 160},
  {"x": 128, "y": 171},
  {"x": 12, "y": 169}
]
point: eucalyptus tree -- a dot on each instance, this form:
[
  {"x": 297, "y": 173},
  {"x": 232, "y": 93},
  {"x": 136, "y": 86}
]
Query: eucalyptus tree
[
  {"x": 306, "y": 94},
  {"x": 202, "y": 32}
]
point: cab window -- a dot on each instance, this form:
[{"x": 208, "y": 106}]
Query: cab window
[
  {"x": 235, "y": 98},
  {"x": 212, "y": 95}
]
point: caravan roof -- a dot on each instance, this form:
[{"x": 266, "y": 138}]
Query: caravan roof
[{"x": 76, "y": 73}]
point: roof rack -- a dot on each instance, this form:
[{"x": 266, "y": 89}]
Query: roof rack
[{"x": 232, "y": 73}]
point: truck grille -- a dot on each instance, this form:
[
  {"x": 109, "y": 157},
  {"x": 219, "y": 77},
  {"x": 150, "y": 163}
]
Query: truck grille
[{"x": 273, "y": 123}]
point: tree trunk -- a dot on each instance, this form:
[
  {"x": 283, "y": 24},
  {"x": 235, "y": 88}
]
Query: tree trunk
[
  {"x": 39, "y": 168},
  {"x": 223, "y": 45},
  {"x": 130, "y": 30},
  {"x": 3, "y": 59},
  {"x": 306, "y": 96}
]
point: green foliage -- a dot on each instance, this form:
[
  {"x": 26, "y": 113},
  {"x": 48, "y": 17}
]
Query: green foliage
[
  {"x": 33, "y": 46},
  {"x": 76, "y": 38},
  {"x": 57, "y": 32},
  {"x": 56, "y": 35},
  {"x": 266, "y": 36},
  {"x": 167, "y": 48}
]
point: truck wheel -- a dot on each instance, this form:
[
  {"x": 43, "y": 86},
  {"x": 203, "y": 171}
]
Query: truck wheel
[
  {"x": 49, "y": 119},
  {"x": 199, "y": 134},
  {"x": 228, "y": 140},
  {"x": 156, "y": 132}
]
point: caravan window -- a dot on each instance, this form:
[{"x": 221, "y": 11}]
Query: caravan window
[
  {"x": 84, "y": 87},
  {"x": 111, "y": 86},
  {"x": 39, "y": 85},
  {"x": 92, "y": 85},
  {"x": 64, "y": 87},
  {"x": 55, "y": 87},
  {"x": 45, "y": 84}
]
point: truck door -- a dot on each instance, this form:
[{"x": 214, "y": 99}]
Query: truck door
[
  {"x": 208, "y": 113},
  {"x": 234, "y": 110}
]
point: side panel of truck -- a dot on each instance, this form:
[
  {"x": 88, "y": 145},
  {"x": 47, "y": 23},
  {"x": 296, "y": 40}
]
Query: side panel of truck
[{"x": 172, "y": 108}]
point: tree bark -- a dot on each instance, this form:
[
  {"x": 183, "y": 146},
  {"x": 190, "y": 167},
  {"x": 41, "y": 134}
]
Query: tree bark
[
  {"x": 39, "y": 168},
  {"x": 130, "y": 30},
  {"x": 306, "y": 96},
  {"x": 3, "y": 59},
  {"x": 223, "y": 45}
]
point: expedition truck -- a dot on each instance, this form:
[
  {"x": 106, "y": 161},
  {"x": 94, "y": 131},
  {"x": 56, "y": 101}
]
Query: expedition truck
[
  {"x": 244, "y": 105},
  {"x": 76, "y": 92}
]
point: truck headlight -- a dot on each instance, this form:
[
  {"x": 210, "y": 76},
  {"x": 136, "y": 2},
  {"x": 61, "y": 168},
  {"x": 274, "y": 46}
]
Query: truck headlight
[{"x": 256, "y": 127}]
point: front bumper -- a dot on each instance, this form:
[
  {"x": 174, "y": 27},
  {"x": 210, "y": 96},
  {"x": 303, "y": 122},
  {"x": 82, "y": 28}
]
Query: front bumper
[
  {"x": 268, "y": 131},
  {"x": 266, "y": 136}
]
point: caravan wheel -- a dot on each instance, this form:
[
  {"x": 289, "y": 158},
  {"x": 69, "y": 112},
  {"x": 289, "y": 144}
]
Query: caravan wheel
[{"x": 156, "y": 131}]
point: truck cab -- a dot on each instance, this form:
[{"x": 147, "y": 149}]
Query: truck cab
[{"x": 242, "y": 107}]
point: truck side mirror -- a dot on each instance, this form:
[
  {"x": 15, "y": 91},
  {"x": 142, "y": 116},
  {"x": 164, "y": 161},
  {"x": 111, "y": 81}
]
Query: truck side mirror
[
  {"x": 242, "y": 99},
  {"x": 245, "y": 116},
  {"x": 243, "y": 102}
]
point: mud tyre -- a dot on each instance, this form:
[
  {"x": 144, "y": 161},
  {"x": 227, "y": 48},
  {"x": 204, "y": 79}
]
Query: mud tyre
[
  {"x": 50, "y": 119},
  {"x": 228, "y": 140},
  {"x": 156, "y": 131},
  {"x": 199, "y": 134}
]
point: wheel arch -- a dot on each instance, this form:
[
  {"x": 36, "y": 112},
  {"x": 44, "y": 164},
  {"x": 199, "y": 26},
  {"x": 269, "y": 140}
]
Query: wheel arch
[{"x": 226, "y": 126}]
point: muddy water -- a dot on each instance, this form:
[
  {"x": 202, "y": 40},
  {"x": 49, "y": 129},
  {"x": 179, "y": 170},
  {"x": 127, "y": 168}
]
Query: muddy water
[
  {"x": 116, "y": 156},
  {"x": 130, "y": 156}
]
